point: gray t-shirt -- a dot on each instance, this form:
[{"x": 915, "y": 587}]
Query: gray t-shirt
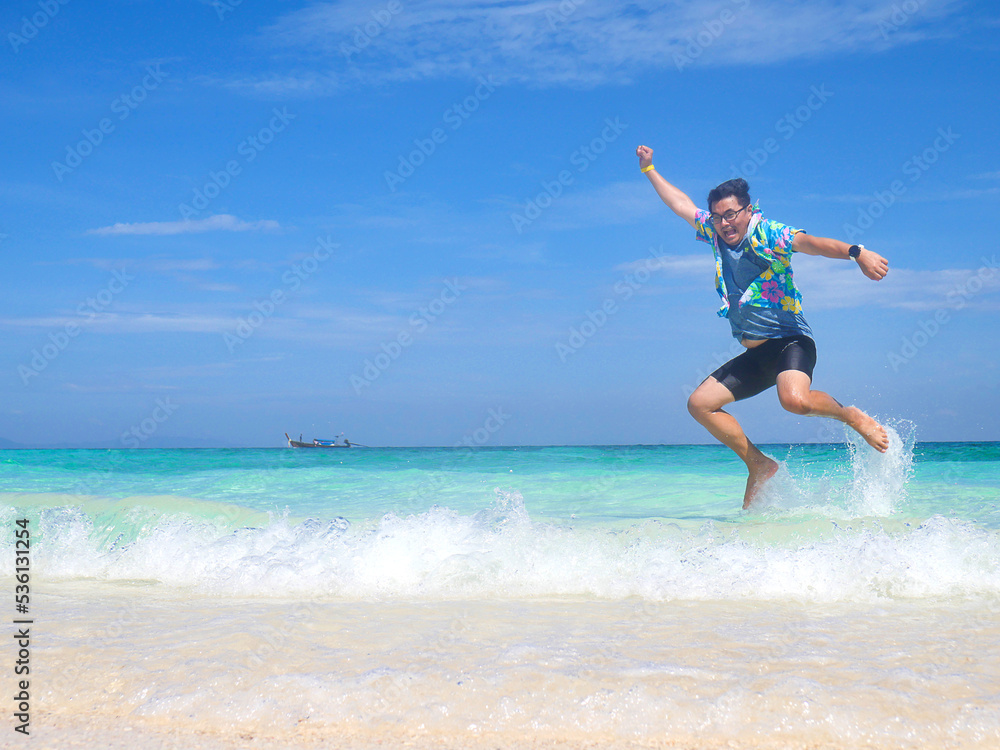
[{"x": 740, "y": 266}]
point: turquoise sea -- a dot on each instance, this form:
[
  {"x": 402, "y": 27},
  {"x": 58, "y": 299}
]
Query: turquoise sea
[{"x": 615, "y": 595}]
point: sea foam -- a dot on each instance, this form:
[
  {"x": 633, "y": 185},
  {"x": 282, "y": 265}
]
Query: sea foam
[{"x": 501, "y": 552}]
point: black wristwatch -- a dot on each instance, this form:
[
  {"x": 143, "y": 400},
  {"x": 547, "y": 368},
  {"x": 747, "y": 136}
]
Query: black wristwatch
[{"x": 855, "y": 251}]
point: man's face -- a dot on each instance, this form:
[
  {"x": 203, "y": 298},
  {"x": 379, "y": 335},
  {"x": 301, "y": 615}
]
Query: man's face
[{"x": 731, "y": 229}]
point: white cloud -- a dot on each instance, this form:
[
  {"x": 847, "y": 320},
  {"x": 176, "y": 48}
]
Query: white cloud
[
  {"x": 553, "y": 42},
  {"x": 956, "y": 194},
  {"x": 702, "y": 264},
  {"x": 217, "y": 223},
  {"x": 830, "y": 284}
]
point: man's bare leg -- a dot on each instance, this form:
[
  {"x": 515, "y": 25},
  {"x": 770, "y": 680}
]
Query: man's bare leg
[
  {"x": 796, "y": 396},
  {"x": 705, "y": 405}
]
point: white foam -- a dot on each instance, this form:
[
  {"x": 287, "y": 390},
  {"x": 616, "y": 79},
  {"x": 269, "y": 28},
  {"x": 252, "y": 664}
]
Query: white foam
[
  {"x": 880, "y": 478},
  {"x": 876, "y": 486},
  {"x": 501, "y": 552}
]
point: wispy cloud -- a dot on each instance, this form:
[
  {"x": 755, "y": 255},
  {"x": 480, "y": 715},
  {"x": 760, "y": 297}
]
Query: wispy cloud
[
  {"x": 548, "y": 42},
  {"x": 152, "y": 264},
  {"x": 217, "y": 223},
  {"x": 124, "y": 322},
  {"x": 828, "y": 284},
  {"x": 674, "y": 265},
  {"x": 956, "y": 194}
]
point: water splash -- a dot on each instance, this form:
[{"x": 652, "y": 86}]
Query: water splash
[
  {"x": 875, "y": 486},
  {"x": 880, "y": 479}
]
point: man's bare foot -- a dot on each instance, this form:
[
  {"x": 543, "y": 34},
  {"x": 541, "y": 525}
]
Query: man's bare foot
[
  {"x": 759, "y": 474},
  {"x": 868, "y": 428}
]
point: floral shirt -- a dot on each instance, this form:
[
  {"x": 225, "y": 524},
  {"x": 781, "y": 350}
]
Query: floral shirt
[{"x": 772, "y": 243}]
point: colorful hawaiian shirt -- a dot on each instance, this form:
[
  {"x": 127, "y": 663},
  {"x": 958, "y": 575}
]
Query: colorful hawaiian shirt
[{"x": 769, "y": 241}]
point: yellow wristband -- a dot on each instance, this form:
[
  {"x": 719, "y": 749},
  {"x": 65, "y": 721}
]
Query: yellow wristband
[{"x": 646, "y": 169}]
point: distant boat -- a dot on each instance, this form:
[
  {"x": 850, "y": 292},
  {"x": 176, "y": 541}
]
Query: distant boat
[{"x": 337, "y": 442}]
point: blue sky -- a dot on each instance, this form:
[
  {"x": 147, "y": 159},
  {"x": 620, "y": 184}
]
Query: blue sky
[{"x": 422, "y": 223}]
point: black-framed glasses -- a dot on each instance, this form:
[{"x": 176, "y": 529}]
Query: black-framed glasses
[{"x": 728, "y": 216}]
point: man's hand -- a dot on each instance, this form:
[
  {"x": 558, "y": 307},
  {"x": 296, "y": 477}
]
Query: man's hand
[
  {"x": 677, "y": 200},
  {"x": 873, "y": 265},
  {"x": 645, "y": 154}
]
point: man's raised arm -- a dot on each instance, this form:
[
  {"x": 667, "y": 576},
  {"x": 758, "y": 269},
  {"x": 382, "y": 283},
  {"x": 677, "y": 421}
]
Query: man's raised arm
[
  {"x": 872, "y": 265},
  {"x": 677, "y": 200}
]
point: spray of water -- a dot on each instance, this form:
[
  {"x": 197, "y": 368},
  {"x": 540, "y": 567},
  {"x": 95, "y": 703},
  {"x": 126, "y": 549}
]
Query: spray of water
[
  {"x": 880, "y": 479},
  {"x": 875, "y": 487}
]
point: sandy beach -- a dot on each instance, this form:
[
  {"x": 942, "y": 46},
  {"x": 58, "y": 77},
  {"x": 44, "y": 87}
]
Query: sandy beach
[{"x": 119, "y": 668}]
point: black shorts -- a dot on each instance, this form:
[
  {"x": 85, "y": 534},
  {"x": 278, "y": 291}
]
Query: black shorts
[{"x": 757, "y": 369}]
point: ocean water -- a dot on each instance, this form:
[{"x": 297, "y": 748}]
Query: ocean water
[{"x": 560, "y": 594}]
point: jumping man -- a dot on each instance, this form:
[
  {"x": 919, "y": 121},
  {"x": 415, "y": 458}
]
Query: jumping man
[{"x": 753, "y": 275}]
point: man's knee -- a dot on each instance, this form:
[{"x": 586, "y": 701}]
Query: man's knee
[
  {"x": 703, "y": 402},
  {"x": 795, "y": 401},
  {"x": 696, "y": 405}
]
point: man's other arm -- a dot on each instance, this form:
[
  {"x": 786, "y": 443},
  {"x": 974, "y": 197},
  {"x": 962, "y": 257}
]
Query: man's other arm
[
  {"x": 873, "y": 265},
  {"x": 676, "y": 200}
]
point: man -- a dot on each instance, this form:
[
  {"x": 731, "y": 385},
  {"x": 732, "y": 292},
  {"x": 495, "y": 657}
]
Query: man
[{"x": 764, "y": 308}]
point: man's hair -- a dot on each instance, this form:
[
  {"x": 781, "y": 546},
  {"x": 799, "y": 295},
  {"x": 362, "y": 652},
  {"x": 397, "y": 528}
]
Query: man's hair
[{"x": 737, "y": 187}]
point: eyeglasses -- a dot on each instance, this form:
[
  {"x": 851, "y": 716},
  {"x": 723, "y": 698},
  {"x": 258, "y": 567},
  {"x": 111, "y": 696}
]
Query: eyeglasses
[{"x": 728, "y": 216}]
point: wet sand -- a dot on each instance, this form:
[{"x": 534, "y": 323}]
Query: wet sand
[{"x": 136, "y": 669}]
